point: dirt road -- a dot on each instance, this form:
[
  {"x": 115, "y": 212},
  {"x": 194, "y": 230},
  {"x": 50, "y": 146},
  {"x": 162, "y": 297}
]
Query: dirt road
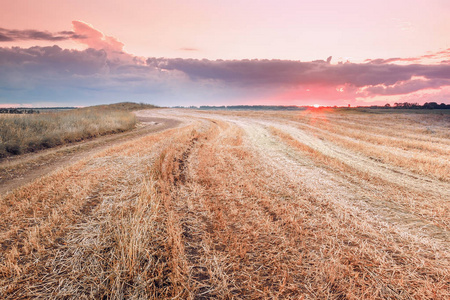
[{"x": 245, "y": 205}]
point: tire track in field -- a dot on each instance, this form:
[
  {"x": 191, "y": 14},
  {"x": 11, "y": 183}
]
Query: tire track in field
[
  {"x": 425, "y": 193},
  {"x": 330, "y": 186},
  {"x": 244, "y": 216},
  {"x": 399, "y": 176},
  {"x": 222, "y": 226},
  {"x": 419, "y": 200},
  {"x": 359, "y": 193}
]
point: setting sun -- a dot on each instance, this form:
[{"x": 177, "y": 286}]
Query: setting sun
[{"x": 316, "y": 105}]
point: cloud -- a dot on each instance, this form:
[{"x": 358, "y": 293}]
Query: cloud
[
  {"x": 45, "y": 60},
  {"x": 73, "y": 77},
  {"x": 9, "y": 35},
  {"x": 104, "y": 71},
  {"x": 48, "y": 73},
  {"x": 288, "y": 73},
  {"x": 438, "y": 57},
  {"x": 380, "y": 61},
  {"x": 95, "y": 39},
  {"x": 83, "y": 33},
  {"x": 188, "y": 49},
  {"x": 406, "y": 87}
]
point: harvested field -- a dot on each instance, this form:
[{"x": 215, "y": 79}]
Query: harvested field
[{"x": 241, "y": 205}]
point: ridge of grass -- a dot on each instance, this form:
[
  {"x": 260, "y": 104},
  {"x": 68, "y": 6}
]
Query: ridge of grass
[{"x": 21, "y": 134}]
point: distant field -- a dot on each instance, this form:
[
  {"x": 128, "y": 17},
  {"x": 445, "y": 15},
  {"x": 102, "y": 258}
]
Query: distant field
[
  {"x": 314, "y": 204},
  {"x": 22, "y": 133}
]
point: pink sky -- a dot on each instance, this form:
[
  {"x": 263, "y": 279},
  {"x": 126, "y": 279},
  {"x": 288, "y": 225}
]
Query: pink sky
[{"x": 359, "y": 32}]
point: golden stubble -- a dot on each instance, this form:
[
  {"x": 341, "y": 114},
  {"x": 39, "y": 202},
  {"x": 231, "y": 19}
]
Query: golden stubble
[{"x": 230, "y": 206}]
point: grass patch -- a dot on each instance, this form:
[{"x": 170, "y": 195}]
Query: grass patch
[
  {"x": 127, "y": 106},
  {"x": 29, "y": 133}
]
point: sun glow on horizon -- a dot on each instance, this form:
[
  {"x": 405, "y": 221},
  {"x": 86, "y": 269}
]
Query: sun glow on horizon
[{"x": 316, "y": 105}]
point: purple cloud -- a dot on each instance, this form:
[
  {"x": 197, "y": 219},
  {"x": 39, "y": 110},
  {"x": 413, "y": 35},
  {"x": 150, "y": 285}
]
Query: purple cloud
[
  {"x": 9, "y": 35},
  {"x": 55, "y": 73},
  {"x": 285, "y": 72},
  {"x": 406, "y": 87}
]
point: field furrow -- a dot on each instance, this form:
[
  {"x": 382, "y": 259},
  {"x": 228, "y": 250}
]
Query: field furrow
[{"x": 238, "y": 205}]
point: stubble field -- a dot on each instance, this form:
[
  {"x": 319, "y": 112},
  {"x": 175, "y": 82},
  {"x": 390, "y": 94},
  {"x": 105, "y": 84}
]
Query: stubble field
[{"x": 314, "y": 204}]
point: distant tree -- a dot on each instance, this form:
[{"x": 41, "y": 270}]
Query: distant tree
[{"x": 431, "y": 105}]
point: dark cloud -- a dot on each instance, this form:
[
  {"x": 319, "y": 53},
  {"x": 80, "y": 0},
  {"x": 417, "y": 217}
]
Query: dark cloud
[
  {"x": 52, "y": 74},
  {"x": 284, "y": 72},
  {"x": 8, "y": 35},
  {"x": 5, "y": 37},
  {"x": 56, "y": 73},
  {"x": 53, "y": 59},
  {"x": 406, "y": 87}
]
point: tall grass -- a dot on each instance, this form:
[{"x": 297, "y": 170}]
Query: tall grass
[{"x": 28, "y": 133}]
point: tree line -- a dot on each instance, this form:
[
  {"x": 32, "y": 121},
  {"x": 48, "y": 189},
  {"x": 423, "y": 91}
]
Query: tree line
[
  {"x": 18, "y": 111},
  {"x": 426, "y": 105}
]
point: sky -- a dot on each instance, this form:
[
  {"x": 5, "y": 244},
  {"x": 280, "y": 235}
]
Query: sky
[{"x": 203, "y": 52}]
